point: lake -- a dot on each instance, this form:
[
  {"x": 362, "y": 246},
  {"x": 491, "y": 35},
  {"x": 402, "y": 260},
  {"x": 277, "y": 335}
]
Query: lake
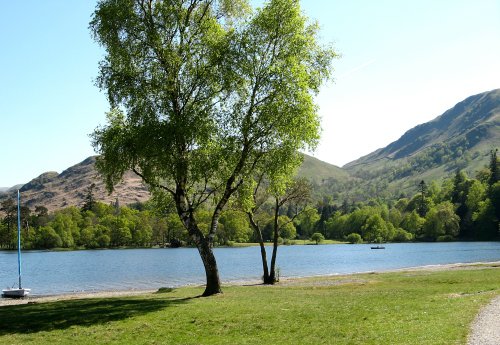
[{"x": 48, "y": 272}]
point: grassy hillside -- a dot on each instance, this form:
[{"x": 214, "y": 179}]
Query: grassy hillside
[
  {"x": 461, "y": 138},
  {"x": 316, "y": 170}
]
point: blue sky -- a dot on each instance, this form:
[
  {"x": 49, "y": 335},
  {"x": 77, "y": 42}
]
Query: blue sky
[{"x": 403, "y": 63}]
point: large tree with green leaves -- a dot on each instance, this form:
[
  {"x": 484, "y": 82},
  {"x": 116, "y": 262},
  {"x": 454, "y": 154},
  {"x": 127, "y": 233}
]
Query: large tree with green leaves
[{"x": 202, "y": 92}]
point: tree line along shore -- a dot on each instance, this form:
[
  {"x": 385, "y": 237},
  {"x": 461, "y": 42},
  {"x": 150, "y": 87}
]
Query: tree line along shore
[{"x": 460, "y": 208}]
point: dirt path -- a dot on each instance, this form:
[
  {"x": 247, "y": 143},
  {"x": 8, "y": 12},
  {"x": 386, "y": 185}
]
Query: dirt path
[{"x": 485, "y": 329}]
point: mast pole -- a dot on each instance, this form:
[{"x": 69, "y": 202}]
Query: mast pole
[{"x": 19, "y": 237}]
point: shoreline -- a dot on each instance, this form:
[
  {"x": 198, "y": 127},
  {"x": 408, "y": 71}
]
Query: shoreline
[
  {"x": 297, "y": 242},
  {"x": 283, "y": 282}
]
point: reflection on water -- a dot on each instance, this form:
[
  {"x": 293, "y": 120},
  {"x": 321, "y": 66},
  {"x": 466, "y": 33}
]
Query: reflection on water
[{"x": 93, "y": 270}]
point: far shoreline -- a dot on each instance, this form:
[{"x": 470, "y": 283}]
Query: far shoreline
[
  {"x": 298, "y": 242},
  {"x": 283, "y": 282}
]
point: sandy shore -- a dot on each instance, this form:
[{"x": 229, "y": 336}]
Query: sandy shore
[{"x": 283, "y": 281}]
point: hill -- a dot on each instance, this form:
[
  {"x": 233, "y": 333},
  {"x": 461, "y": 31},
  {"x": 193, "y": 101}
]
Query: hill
[
  {"x": 317, "y": 171},
  {"x": 461, "y": 138},
  {"x": 55, "y": 191}
]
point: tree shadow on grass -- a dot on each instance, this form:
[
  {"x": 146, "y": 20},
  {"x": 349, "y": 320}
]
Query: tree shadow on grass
[{"x": 33, "y": 318}]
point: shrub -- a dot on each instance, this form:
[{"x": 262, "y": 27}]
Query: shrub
[
  {"x": 317, "y": 237},
  {"x": 354, "y": 238},
  {"x": 445, "y": 238},
  {"x": 402, "y": 236}
]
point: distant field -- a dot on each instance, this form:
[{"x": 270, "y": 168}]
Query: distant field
[
  {"x": 292, "y": 242},
  {"x": 414, "y": 307}
]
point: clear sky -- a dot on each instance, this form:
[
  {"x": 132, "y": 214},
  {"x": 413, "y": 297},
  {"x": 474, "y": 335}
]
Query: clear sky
[{"x": 403, "y": 63}]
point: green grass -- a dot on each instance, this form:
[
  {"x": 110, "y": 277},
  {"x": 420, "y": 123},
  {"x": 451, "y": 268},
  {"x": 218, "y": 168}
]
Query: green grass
[
  {"x": 295, "y": 242},
  {"x": 390, "y": 308},
  {"x": 316, "y": 170}
]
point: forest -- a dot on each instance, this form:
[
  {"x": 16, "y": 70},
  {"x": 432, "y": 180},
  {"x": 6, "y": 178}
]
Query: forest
[{"x": 458, "y": 208}]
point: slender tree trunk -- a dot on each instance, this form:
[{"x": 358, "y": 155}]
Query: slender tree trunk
[
  {"x": 263, "y": 254},
  {"x": 273, "y": 277}
]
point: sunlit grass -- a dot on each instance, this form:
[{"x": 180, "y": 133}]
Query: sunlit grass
[
  {"x": 291, "y": 242},
  {"x": 392, "y": 308}
]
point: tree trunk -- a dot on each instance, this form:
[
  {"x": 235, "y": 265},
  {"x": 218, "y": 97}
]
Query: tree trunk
[
  {"x": 203, "y": 243},
  {"x": 212, "y": 273},
  {"x": 273, "y": 276},
  {"x": 266, "y": 278}
]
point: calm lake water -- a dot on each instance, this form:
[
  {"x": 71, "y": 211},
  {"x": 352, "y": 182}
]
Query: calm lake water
[{"x": 95, "y": 270}]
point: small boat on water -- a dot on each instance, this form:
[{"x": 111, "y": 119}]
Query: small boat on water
[
  {"x": 378, "y": 247},
  {"x": 20, "y": 291}
]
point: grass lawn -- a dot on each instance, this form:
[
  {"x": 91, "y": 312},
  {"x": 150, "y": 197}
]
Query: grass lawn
[
  {"x": 416, "y": 307},
  {"x": 295, "y": 242}
]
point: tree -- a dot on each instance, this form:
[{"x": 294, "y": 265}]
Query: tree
[
  {"x": 421, "y": 208},
  {"x": 401, "y": 235},
  {"x": 296, "y": 195},
  {"x": 375, "y": 229},
  {"x": 461, "y": 185},
  {"x": 485, "y": 224},
  {"x": 236, "y": 227},
  {"x": 306, "y": 222},
  {"x": 176, "y": 230},
  {"x": 47, "y": 238},
  {"x": 8, "y": 207},
  {"x": 287, "y": 229},
  {"x": 160, "y": 231},
  {"x": 317, "y": 237},
  {"x": 441, "y": 221},
  {"x": 395, "y": 217},
  {"x": 354, "y": 238},
  {"x": 89, "y": 201},
  {"x": 494, "y": 175},
  {"x": 201, "y": 94},
  {"x": 87, "y": 237},
  {"x": 413, "y": 223},
  {"x": 41, "y": 216},
  {"x": 337, "y": 225}
]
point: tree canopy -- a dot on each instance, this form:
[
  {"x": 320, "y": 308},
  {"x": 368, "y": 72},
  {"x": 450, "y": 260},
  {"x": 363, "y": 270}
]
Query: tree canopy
[{"x": 203, "y": 93}]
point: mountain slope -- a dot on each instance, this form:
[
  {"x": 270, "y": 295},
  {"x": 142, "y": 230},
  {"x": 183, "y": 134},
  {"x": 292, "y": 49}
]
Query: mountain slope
[
  {"x": 56, "y": 191},
  {"x": 69, "y": 188},
  {"x": 316, "y": 170},
  {"x": 461, "y": 138}
]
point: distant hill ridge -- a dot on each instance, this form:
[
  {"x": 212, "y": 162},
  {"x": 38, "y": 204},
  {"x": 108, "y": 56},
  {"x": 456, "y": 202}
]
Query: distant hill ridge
[
  {"x": 56, "y": 191},
  {"x": 469, "y": 122},
  {"x": 460, "y": 138}
]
